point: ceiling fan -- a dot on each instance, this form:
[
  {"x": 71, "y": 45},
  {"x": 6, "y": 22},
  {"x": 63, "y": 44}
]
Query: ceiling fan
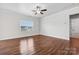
[{"x": 39, "y": 10}]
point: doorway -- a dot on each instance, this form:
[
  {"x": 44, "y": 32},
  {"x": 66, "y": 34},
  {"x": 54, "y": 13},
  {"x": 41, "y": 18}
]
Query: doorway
[
  {"x": 74, "y": 33},
  {"x": 74, "y": 26}
]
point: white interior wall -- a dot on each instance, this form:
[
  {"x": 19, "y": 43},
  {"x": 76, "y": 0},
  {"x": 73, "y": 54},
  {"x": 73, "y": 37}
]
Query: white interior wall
[
  {"x": 10, "y": 28},
  {"x": 57, "y": 25}
]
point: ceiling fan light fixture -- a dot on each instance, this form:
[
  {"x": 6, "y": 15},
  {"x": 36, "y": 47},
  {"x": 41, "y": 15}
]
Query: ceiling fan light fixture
[{"x": 39, "y": 10}]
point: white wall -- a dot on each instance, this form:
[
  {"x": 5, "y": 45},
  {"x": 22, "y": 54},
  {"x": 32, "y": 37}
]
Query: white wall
[
  {"x": 57, "y": 25},
  {"x": 9, "y": 25}
]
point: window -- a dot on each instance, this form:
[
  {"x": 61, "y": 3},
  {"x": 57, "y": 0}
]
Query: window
[{"x": 26, "y": 24}]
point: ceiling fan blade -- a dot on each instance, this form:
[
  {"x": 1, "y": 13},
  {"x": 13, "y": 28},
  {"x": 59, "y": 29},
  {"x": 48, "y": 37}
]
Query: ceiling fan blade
[
  {"x": 44, "y": 10},
  {"x": 41, "y": 13},
  {"x": 35, "y": 13}
]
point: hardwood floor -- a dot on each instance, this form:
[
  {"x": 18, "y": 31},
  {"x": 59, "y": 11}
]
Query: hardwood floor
[
  {"x": 74, "y": 45},
  {"x": 35, "y": 45}
]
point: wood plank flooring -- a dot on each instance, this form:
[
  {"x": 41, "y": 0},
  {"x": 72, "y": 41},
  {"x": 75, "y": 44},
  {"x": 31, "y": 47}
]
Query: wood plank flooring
[
  {"x": 34, "y": 45},
  {"x": 74, "y": 45}
]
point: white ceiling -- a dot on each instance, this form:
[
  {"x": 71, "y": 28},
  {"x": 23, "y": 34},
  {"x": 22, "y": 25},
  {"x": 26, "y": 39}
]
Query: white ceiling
[{"x": 26, "y": 8}]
